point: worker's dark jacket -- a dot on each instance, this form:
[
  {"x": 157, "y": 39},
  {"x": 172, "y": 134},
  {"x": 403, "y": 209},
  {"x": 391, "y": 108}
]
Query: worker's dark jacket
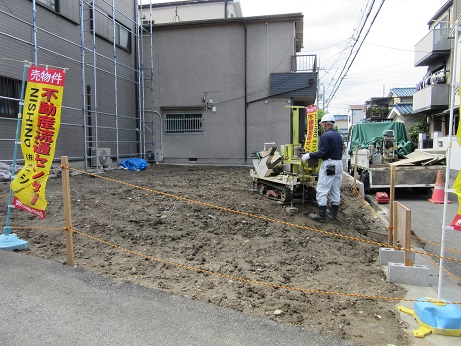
[{"x": 331, "y": 146}]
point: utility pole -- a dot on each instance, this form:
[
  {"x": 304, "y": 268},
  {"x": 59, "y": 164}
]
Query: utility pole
[{"x": 323, "y": 99}]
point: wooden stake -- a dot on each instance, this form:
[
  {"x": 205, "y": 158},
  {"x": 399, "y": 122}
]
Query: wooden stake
[
  {"x": 67, "y": 210},
  {"x": 407, "y": 244},
  {"x": 356, "y": 159},
  {"x": 391, "y": 234}
]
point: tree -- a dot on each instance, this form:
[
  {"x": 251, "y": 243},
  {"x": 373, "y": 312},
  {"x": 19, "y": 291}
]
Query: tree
[
  {"x": 415, "y": 129},
  {"x": 320, "y": 113}
]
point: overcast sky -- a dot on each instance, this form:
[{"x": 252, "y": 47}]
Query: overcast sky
[{"x": 385, "y": 59}]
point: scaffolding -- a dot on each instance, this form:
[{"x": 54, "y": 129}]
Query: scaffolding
[{"x": 105, "y": 119}]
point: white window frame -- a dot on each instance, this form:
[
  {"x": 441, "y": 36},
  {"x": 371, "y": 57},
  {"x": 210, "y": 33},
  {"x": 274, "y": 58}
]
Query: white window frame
[{"x": 183, "y": 123}]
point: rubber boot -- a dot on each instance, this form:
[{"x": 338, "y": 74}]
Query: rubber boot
[
  {"x": 321, "y": 216},
  {"x": 333, "y": 212}
]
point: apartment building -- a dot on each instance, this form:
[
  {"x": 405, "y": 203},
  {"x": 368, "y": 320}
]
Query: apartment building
[{"x": 436, "y": 51}]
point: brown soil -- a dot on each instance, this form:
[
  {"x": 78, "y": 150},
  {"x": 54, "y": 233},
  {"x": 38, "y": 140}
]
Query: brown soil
[{"x": 192, "y": 218}]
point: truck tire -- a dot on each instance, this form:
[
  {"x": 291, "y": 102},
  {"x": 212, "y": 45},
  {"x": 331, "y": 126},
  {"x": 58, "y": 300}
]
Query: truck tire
[{"x": 365, "y": 179}]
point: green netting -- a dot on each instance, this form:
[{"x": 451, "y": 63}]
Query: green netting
[{"x": 363, "y": 135}]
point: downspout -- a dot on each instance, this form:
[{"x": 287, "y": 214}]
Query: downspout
[
  {"x": 225, "y": 9},
  {"x": 137, "y": 71},
  {"x": 245, "y": 90}
]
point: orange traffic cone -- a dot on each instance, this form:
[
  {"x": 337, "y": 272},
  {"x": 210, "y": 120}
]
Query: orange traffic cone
[{"x": 439, "y": 189}]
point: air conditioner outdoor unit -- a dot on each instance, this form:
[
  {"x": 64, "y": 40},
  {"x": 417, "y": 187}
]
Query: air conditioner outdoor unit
[
  {"x": 102, "y": 155},
  {"x": 148, "y": 22}
]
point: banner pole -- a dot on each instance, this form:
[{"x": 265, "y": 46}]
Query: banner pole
[
  {"x": 454, "y": 85},
  {"x": 11, "y": 241}
]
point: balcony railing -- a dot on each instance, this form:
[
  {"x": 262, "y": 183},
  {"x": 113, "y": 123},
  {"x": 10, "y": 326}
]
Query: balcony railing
[
  {"x": 304, "y": 63},
  {"x": 434, "y": 45},
  {"x": 433, "y": 97}
]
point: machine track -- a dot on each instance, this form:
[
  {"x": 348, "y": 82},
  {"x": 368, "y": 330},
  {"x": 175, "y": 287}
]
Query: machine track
[{"x": 282, "y": 193}]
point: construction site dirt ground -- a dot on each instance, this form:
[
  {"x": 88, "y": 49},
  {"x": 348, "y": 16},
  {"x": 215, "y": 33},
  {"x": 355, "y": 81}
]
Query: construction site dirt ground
[{"x": 202, "y": 232}]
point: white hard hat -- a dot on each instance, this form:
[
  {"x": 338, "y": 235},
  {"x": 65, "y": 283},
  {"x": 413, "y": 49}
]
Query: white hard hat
[{"x": 328, "y": 118}]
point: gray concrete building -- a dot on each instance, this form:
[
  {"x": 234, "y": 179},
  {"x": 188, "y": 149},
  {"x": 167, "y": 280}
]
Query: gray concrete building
[
  {"x": 220, "y": 86},
  {"x": 198, "y": 91}
]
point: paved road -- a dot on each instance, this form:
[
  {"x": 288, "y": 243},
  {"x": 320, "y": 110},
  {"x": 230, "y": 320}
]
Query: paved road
[
  {"x": 427, "y": 220},
  {"x": 46, "y": 303},
  {"x": 426, "y": 223}
]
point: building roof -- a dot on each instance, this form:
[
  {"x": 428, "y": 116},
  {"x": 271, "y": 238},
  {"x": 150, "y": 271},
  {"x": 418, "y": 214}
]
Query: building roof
[
  {"x": 236, "y": 4},
  {"x": 182, "y": 3},
  {"x": 354, "y": 107},
  {"x": 437, "y": 14},
  {"x": 402, "y": 92},
  {"x": 400, "y": 109},
  {"x": 404, "y": 108},
  {"x": 297, "y": 18}
]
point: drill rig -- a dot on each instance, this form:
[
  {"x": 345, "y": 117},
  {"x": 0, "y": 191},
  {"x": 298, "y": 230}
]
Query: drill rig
[{"x": 282, "y": 175}]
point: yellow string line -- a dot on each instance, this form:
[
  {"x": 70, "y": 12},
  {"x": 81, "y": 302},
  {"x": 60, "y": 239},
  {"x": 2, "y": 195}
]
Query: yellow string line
[
  {"x": 249, "y": 281},
  {"x": 260, "y": 217},
  {"x": 245, "y": 214},
  {"x": 356, "y": 192},
  {"x": 437, "y": 244},
  {"x": 235, "y": 278},
  {"x": 445, "y": 270},
  {"x": 416, "y": 237},
  {"x": 25, "y": 228}
]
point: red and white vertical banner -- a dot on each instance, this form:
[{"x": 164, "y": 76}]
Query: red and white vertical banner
[
  {"x": 312, "y": 133},
  {"x": 41, "y": 119},
  {"x": 456, "y": 223}
]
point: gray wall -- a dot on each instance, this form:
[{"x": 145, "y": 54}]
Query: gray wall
[
  {"x": 58, "y": 44},
  {"x": 191, "y": 60}
]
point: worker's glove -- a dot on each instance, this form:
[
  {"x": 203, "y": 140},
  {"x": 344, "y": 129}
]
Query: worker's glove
[{"x": 305, "y": 157}]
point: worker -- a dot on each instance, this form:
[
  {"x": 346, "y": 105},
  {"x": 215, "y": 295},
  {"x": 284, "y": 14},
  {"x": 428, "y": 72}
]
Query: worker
[{"x": 331, "y": 170}]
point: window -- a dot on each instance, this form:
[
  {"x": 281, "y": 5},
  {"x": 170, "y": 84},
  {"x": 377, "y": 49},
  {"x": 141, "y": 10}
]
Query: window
[
  {"x": 183, "y": 123},
  {"x": 49, "y": 3},
  {"x": 104, "y": 24},
  {"x": 122, "y": 37},
  {"x": 10, "y": 92},
  {"x": 69, "y": 9}
]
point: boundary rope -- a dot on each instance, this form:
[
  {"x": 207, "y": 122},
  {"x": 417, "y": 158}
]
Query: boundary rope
[{"x": 240, "y": 279}]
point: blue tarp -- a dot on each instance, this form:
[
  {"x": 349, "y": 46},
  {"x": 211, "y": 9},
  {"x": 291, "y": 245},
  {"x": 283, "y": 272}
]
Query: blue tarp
[{"x": 134, "y": 164}]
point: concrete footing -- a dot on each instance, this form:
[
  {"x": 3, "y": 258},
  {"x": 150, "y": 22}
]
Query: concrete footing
[
  {"x": 417, "y": 275},
  {"x": 387, "y": 255}
]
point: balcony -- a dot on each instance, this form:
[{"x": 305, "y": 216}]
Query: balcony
[
  {"x": 304, "y": 63},
  {"x": 432, "y": 47},
  {"x": 377, "y": 108},
  {"x": 299, "y": 84},
  {"x": 433, "y": 97}
]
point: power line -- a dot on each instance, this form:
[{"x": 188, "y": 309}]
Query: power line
[
  {"x": 359, "y": 27},
  {"x": 353, "y": 59}
]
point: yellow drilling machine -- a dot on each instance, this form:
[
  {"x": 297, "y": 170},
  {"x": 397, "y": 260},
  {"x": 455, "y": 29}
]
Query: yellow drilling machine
[{"x": 282, "y": 175}]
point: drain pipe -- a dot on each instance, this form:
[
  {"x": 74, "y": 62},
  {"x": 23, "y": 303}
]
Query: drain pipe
[{"x": 245, "y": 90}]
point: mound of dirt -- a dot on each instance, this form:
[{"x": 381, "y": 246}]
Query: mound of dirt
[{"x": 203, "y": 233}]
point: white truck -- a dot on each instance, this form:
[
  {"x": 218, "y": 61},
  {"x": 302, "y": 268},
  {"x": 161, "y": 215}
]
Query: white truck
[{"x": 372, "y": 149}]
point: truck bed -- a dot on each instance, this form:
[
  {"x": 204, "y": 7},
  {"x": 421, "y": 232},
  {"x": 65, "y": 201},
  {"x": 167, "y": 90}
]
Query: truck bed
[{"x": 405, "y": 176}]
